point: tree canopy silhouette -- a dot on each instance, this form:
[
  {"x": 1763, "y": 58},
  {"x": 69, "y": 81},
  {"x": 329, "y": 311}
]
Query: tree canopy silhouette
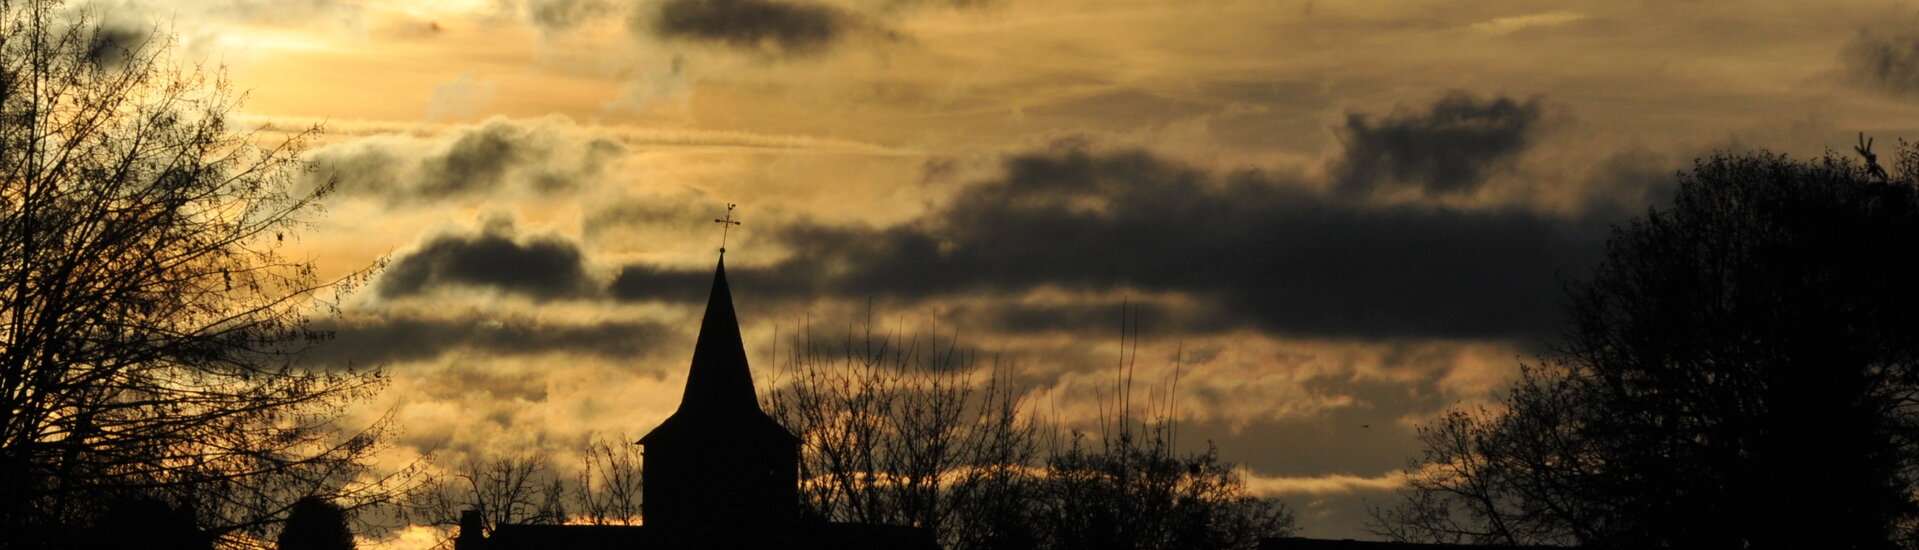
[
  {"x": 1739, "y": 372},
  {"x": 148, "y": 324},
  {"x": 315, "y": 524}
]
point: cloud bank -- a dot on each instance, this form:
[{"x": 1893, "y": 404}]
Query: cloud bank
[
  {"x": 775, "y": 27},
  {"x": 397, "y": 339},
  {"x": 1261, "y": 250},
  {"x": 1886, "y": 61},
  {"x": 536, "y": 158},
  {"x": 1445, "y": 150},
  {"x": 541, "y": 267}
]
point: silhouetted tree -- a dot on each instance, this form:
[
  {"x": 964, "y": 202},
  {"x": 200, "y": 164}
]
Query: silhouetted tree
[
  {"x": 898, "y": 431},
  {"x": 1138, "y": 493},
  {"x": 1133, "y": 489},
  {"x": 610, "y": 482},
  {"x": 504, "y": 490},
  {"x": 316, "y": 524},
  {"x": 1739, "y": 372},
  {"x": 148, "y": 325}
]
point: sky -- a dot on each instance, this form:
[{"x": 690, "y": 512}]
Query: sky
[{"x": 1336, "y": 219}]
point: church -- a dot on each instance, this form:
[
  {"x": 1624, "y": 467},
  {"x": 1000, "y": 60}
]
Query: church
[{"x": 719, "y": 472}]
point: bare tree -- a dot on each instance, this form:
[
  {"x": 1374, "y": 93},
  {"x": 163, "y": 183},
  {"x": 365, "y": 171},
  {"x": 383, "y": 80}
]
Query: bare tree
[
  {"x": 504, "y": 490},
  {"x": 610, "y": 481},
  {"x": 1480, "y": 479},
  {"x": 1133, "y": 489},
  {"x": 148, "y": 324},
  {"x": 898, "y": 431}
]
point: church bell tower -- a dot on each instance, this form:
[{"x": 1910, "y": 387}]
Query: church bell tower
[{"x": 719, "y": 466}]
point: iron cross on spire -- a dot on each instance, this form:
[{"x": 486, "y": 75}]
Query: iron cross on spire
[{"x": 726, "y": 224}]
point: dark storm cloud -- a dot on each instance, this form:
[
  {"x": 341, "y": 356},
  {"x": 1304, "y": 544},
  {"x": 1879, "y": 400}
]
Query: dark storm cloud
[
  {"x": 1446, "y": 149},
  {"x": 496, "y": 155},
  {"x": 1255, "y": 248},
  {"x": 779, "y": 27},
  {"x": 640, "y": 282},
  {"x": 356, "y": 170},
  {"x": 478, "y": 161},
  {"x": 540, "y": 267},
  {"x": 380, "y": 341},
  {"x": 1077, "y": 317},
  {"x": 1888, "y": 62},
  {"x": 483, "y": 159}
]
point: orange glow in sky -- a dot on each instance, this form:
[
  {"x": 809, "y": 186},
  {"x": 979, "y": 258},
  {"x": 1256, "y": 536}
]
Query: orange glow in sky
[{"x": 1349, "y": 215}]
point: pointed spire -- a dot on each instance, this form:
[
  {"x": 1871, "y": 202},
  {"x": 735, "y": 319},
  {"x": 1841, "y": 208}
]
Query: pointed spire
[
  {"x": 719, "y": 401},
  {"x": 719, "y": 463},
  {"x": 719, "y": 378}
]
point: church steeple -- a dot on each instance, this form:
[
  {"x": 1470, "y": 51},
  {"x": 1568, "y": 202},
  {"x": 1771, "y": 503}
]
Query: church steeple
[
  {"x": 719, "y": 460},
  {"x": 719, "y": 378}
]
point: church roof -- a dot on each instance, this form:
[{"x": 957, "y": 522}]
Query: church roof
[{"x": 719, "y": 400}]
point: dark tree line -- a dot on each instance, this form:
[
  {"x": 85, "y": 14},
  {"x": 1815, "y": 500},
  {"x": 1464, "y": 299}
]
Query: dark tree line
[
  {"x": 902, "y": 431},
  {"x": 1739, "y": 372},
  {"x": 527, "y": 489}
]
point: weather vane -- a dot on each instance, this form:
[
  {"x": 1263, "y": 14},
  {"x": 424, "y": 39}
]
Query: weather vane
[
  {"x": 726, "y": 224},
  {"x": 1872, "y": 161}
]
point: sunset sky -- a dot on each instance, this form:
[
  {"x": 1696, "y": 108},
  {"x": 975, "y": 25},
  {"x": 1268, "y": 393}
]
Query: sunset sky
[{"x": 1337, "y": 218}]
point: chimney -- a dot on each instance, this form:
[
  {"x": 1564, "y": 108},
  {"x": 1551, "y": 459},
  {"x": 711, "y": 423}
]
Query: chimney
[{"x": 471, "y": 535}]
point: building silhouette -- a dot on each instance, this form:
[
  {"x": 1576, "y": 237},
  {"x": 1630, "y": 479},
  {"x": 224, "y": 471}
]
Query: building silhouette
[
  {"x": 719, "y": 460},
  {"x": 718, "y": 473}
]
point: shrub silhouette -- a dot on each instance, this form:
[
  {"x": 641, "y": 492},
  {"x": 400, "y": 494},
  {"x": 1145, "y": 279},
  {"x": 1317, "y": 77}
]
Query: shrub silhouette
[{"x": 316, "y": 524}]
